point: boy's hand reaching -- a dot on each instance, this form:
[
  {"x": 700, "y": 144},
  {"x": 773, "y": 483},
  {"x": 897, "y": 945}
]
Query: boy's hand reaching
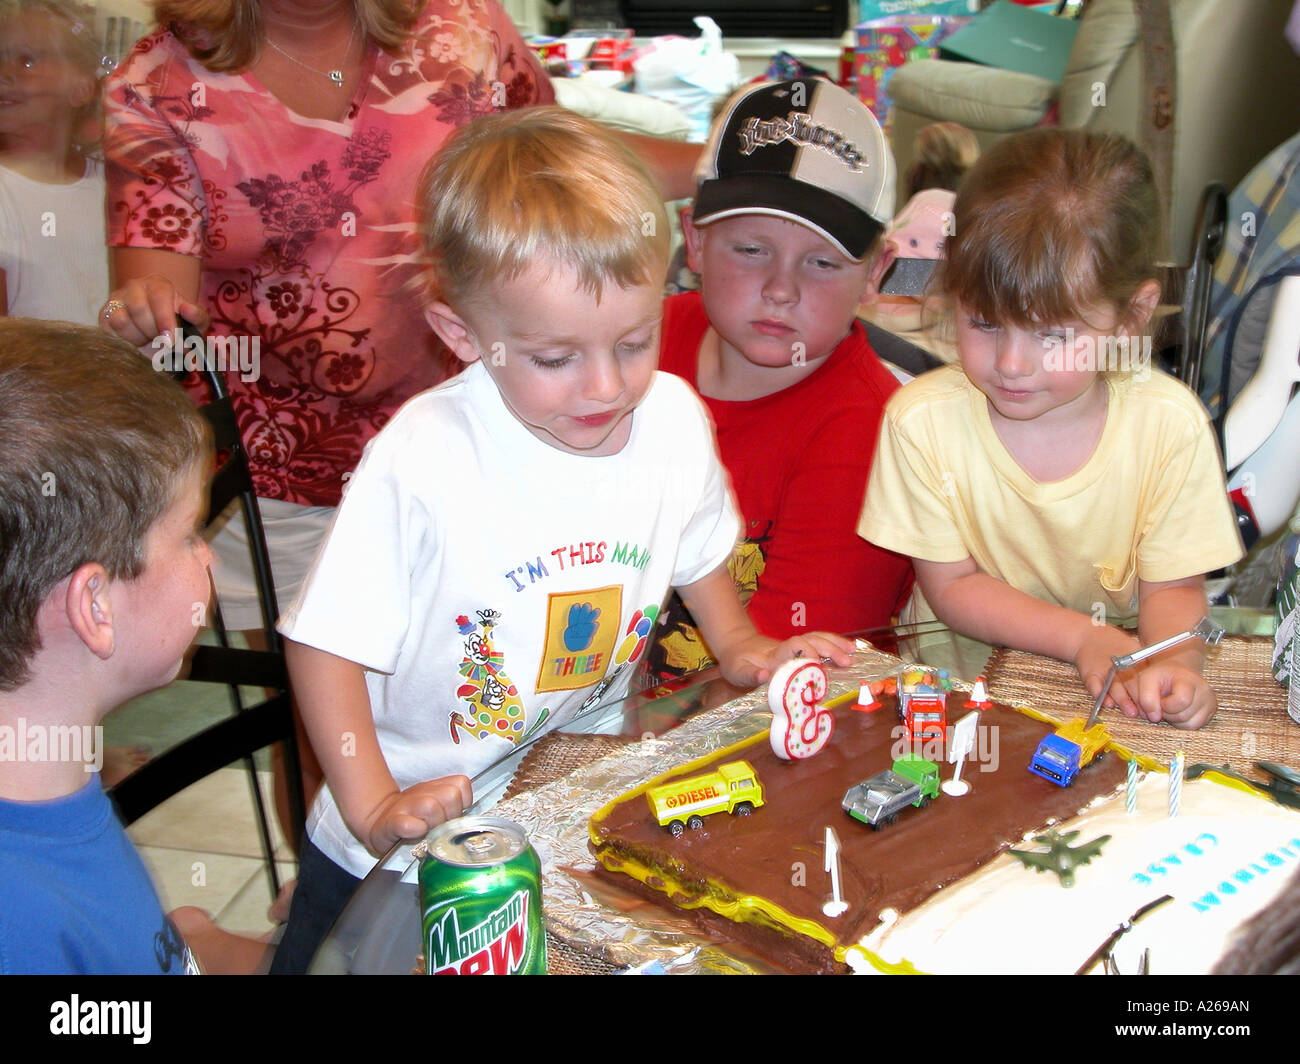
[
  {"x": 751, "y": 661},
  {"x": 409, "y": 814},
  {"x": 746, "y": 658}
]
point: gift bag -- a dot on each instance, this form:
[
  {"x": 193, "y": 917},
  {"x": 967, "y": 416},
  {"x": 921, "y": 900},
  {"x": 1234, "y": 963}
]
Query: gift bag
[{"x": 690, "y": 73}]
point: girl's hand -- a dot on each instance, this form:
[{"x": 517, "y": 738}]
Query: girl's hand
[
  {"x": 411, "y": 813},
  {"x": 1092, "y": 659},
  {"x": 1174, "y": 693},
  {"x": 146, "y": 307}
]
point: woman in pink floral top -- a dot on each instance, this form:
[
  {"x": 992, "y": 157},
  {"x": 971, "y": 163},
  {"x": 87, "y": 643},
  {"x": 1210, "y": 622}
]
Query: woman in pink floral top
[{"x": 278, "y": 203}]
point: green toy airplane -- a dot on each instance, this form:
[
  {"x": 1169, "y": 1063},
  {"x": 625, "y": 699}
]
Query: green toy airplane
[{"x": 1061, "y": 857}]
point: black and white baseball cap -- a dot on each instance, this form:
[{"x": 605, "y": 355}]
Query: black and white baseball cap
[{"x": 803, "y": 150}]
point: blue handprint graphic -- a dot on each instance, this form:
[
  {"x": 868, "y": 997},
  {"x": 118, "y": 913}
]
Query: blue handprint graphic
[{"x": 583, "y": 621}]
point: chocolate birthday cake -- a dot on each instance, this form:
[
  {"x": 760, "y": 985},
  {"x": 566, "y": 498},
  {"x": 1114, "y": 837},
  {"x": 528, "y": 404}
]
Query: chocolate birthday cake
[
  {"x": 936, "y": 891},
  {"x": 762, "y": 874}
]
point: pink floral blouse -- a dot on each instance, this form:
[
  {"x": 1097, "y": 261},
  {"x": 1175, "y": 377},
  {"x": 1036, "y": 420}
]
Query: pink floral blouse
[{"x": 307, "y": 227}]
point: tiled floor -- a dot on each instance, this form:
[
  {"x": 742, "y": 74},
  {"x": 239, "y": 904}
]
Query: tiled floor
[{"x": 202, "y": 848}]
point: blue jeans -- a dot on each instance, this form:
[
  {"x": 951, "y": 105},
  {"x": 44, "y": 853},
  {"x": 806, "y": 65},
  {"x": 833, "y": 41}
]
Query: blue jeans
[{"x": 322, "y": 892}]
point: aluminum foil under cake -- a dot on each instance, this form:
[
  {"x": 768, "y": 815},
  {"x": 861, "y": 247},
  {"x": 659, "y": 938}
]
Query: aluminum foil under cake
[{"x": 584, "y": 912}]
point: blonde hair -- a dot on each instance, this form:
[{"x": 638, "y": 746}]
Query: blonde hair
[
  {"x": 226, "y": 35},
  {"x": 1050, "y": 223},
  {"x": 544, "y": 184},
  {"x": 941, "y": 155}
]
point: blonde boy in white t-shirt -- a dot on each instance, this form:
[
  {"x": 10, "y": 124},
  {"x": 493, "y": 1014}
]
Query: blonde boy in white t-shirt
[{"x": 509, "y": 537}]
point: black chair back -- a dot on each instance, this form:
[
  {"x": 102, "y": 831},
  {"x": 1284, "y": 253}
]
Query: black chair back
[{"x": 250, "y": 727}]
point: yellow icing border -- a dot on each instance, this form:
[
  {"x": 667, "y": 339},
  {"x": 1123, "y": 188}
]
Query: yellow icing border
[{"x": 745, "y": 905}]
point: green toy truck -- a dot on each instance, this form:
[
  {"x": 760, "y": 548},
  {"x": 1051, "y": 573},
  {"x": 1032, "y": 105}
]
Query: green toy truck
[{"x": 913, "y": 780}]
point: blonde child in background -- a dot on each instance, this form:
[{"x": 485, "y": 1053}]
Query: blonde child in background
[
  {"x": 941, "y": 155},
  {"x": 53, "y": 262},
  {"x": 508, "y": 538},
  {"x": 1045, "y": 500}
]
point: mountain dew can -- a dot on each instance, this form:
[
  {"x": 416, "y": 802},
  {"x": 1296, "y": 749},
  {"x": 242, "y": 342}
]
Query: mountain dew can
[{"x": 481, "y": 900}]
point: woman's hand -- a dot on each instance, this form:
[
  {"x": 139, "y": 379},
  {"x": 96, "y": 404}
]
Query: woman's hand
[
  {"x": 152, "y": 290},
  {"x": 147, "y": 307}
]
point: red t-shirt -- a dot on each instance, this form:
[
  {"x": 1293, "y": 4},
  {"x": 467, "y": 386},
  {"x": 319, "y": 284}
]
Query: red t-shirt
[{"x": 799, "y": 461}]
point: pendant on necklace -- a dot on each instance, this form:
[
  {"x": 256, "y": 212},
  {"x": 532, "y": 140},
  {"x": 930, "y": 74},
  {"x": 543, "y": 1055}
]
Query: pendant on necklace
[{"x": 336, "y": 76}]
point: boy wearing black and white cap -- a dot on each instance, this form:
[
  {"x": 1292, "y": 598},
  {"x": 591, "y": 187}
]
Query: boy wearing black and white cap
[{"x": 795, "y": 188}]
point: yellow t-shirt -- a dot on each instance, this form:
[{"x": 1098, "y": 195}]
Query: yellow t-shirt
[{"x": 1149, "y": 503}]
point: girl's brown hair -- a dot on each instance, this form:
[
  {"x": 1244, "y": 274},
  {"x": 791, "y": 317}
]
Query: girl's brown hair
[
  {"x": 1049, "y": 224},
  {"x": 226, "y": 35}
]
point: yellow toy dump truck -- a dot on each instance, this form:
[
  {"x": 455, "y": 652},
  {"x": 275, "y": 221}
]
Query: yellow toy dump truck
[
  {"x": 682, "y": 804},
  {"x": 1060, "y": 756}
]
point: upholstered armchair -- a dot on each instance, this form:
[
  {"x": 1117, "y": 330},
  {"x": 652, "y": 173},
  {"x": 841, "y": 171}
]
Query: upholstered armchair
[{"x": 1236, "y": 94}]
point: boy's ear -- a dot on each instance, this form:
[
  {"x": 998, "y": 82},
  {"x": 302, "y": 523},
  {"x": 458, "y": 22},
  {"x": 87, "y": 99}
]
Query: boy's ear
[
  {"x": 88, "y": 609},
  {"x": 453, "y": 331},
  {"x": 694, "y": 238},
  {"x": 884, "y": 259}
]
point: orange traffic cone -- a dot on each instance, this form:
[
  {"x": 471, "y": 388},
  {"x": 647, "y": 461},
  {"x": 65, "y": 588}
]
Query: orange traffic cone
[
  {"x": 868, "y": 700},
  {"x": 979, "y": 697}
]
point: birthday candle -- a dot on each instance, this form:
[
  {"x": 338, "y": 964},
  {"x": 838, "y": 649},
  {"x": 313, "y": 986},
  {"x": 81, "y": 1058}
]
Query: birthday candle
[
  {"x": 1175, "y": 783},
  {"x": 1131, "y": 791}
]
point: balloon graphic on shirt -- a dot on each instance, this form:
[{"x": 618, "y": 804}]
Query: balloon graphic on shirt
[
  {"x": 637, "y": 634},
  {"x": 493, "y": 703}
]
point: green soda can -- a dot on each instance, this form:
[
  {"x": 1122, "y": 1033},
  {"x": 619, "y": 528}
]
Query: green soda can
[{"x": 481, "y": 900}]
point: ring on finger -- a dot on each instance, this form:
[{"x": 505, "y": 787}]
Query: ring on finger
[{"x": 112, "y": 306}]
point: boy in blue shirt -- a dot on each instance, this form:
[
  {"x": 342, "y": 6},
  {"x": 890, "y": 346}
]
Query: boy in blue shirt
[{"x": 103, "y": 575}]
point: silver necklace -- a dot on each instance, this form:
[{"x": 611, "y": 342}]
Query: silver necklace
[{"x": 336, "y": 76}]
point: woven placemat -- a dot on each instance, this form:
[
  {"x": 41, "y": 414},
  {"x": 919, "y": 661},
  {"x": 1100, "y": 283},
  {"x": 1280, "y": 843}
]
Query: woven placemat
[
  {"x": 1251, "y": 724},
  {"x": 552, "y": 758},
  {"x": 563, "y": 959}
]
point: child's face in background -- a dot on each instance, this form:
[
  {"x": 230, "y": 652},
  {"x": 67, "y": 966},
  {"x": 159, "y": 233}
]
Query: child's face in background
[
  {"x": 39, "y": 84},
  {"x": 570, "y": 367},
  {"x": 775, "y": 290},
  {"x": 158, "y": 614},
  {"x": 1046, "y": 370}
]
